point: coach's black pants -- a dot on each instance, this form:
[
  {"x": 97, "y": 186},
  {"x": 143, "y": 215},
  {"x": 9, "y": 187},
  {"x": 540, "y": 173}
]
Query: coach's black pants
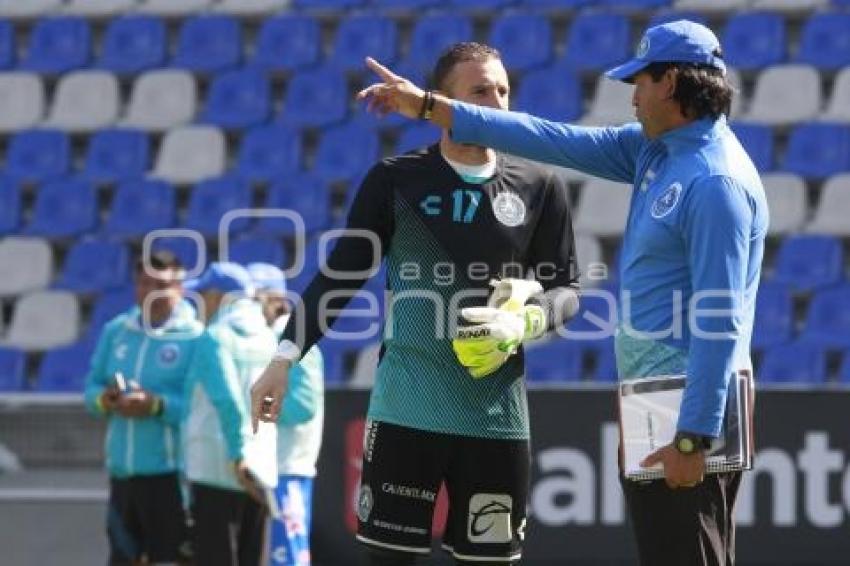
[
  {"x": 687, "y": 526},
  {"x": 228, "y": 527}
]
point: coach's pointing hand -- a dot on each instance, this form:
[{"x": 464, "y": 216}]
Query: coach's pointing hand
[
  {"x": 397, "y": 94},
  {"x": 268, "y": 391}
]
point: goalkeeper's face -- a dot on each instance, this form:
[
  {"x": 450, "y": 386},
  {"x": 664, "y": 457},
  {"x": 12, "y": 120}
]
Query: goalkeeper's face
[{"x": 484, "y": 83}]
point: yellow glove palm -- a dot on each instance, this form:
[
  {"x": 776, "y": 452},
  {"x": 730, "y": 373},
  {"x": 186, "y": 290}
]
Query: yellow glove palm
[{"x": 498, "y": 329}]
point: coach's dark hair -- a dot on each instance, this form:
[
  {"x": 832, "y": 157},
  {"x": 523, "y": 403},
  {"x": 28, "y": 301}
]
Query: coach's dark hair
[
  {"x": 159, "y": 260},
  {"x": 460, "y": 53},
  {"x": 701, "y": 90}
]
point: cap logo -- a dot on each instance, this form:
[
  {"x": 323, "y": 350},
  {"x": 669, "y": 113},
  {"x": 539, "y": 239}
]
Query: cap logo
[{"x": 643, "y": 48}]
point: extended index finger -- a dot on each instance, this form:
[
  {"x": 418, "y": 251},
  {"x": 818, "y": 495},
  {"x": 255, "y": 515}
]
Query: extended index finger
[{"x": 386, "y": 75}]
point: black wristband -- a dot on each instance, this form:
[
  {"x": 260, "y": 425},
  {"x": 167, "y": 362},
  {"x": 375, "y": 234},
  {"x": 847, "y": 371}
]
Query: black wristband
[{"x": 427, "y": 106}]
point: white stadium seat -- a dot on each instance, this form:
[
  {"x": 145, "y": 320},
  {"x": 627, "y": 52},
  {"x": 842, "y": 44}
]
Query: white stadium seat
[
  {"x": 774, "y": 103},
  {"x": 712, "y": 5},
  {"x": 27, "y": 9},
  {"x": 612, "y": 104},
  {"x": 21, "y": 101},
  {"x": 162, "y": 100},
  {"x": 786, "y": 201},
  {"x": 838, "y": 107},
  {"x": 831, "y": 214},
  {"x": 42, "y": 320},
  {"x": 789, "y": 5},
  {"x": 588, "y": 254},
  {"x": 26, "y": 264},
  {"x": 251, "y": 7},
  {"x": 602, "y": 208},
  {"x": 191, "y": 154},
  {"x": 85, "y": 101},
  {"x": 99, "y": 8},
  {"x": 173, "y": 8}
]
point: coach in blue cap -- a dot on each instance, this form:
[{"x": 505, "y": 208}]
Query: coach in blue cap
[
  {"x": 690, "y": 261},
  {"x": 226, "y": 478}
]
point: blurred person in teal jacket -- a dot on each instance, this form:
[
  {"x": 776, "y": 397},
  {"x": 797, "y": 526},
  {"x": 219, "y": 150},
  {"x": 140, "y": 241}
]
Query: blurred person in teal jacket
[
  {"x": 227, "y": 466},
  {"x": 299, "y": 428},
  {"x": 136, "y": 381}
]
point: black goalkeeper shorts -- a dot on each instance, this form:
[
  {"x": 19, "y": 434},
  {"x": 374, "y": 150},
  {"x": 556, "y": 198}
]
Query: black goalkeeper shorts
[{"x": 486, "y": 481}]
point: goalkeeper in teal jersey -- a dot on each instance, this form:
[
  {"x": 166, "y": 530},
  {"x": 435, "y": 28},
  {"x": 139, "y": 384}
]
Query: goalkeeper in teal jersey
[{"x": 461, "y": 228}]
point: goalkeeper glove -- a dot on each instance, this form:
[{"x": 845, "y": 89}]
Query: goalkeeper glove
[{"x": 499, "y": 328}]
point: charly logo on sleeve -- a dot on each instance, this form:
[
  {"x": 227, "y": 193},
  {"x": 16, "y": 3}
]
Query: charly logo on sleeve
[
  {"x": 509, "y": 209},
  {"x": 490, "y": 518},
  {"x": 666, "y": 201}
]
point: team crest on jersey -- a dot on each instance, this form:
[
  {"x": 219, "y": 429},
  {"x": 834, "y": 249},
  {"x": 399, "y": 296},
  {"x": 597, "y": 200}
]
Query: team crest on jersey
[
  {"x": 365, "y": 501},
  {"x": 509, "y": 209},
  {"x": 666, "y": 201},
  {"x": 168, "y": 354}
]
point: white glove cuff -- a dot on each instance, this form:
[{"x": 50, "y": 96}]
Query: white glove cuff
[{"x": 288, "y": 351}]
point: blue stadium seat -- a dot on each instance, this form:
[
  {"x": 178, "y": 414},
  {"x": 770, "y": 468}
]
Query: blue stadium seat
[
  {"x": 64, "y": 369},
  {"x": 553, "y": 361},
  {"x": 209, "y": 44},
  {"x": 551, "y": 4},
  {"x": 212, "y": 199},
  {"x": 117, "y": 155},
  {"x": 595, "y": 322},
  {"x": 793, "y": 363},
  {"x": 524, "y": 40},
  {"x": 269, "y": 152},
  {"x": 553, "y": 93},
  {"x": 345, "y": 151},
  {"x": 328, "y": 5},
  {"x": 407, "y": 4},
  {"x": 187, "y": 250},
  {"x": 754, "y": 40},
  {"x": 8, "y": 46},
  {"x": 315, "y": 98},
  {"x": 665, "y": 16},
  {"x": 844, "y": 370},
  {"x": 361, "y": 36},
  {"x": 10, "y": 206},
  {"x": 12, "y": 365},
  {"x": 818, "y": 150},
  {"x": 417, "y": 136},
  {"x": 38, "y": 155},
  {"x": 64, "y": 209},
  {"x": 433, "y": 33},
  {"x": 605, "y": 369},
  {"x": 757, "y": 140},
  {"x": 825, "y": 40},
  {"x": 248, "y": 250},
  {"x": 288, "y": 42},
  {"x": 133, "y": 44},
  {"x": 305, "y": 194},
  {"x": 806, "y": 262},
  {"x": 828, "y": 320},
  {"x": 58, "y": 45},
  {"x": 238, "y": 99},
  {"x": 141, "y": 206},
  {"x": 92, "y": 266},
  {"x": 635, "y": 4},
  {"x": 598, "y": 40},
  {"x": 109, "y": 305},
  {"x": 479, "y": 4},
  {"x": 774, "y": 320}
]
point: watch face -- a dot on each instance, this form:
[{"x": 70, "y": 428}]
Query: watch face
[{"x": 686, "y": 445}]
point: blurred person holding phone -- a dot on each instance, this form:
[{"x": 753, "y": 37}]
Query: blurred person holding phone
[{"x": 136, "y": 381}]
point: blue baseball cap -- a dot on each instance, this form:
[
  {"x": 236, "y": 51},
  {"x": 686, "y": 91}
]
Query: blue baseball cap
[
  {"x": 681, "y": 41},
  {"x": 224, "y": 276},
  {"x": 267, "y": 277}
]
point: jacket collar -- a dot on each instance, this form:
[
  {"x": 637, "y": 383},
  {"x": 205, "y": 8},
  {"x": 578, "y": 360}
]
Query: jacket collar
[{"x": 694, "y": 134}]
